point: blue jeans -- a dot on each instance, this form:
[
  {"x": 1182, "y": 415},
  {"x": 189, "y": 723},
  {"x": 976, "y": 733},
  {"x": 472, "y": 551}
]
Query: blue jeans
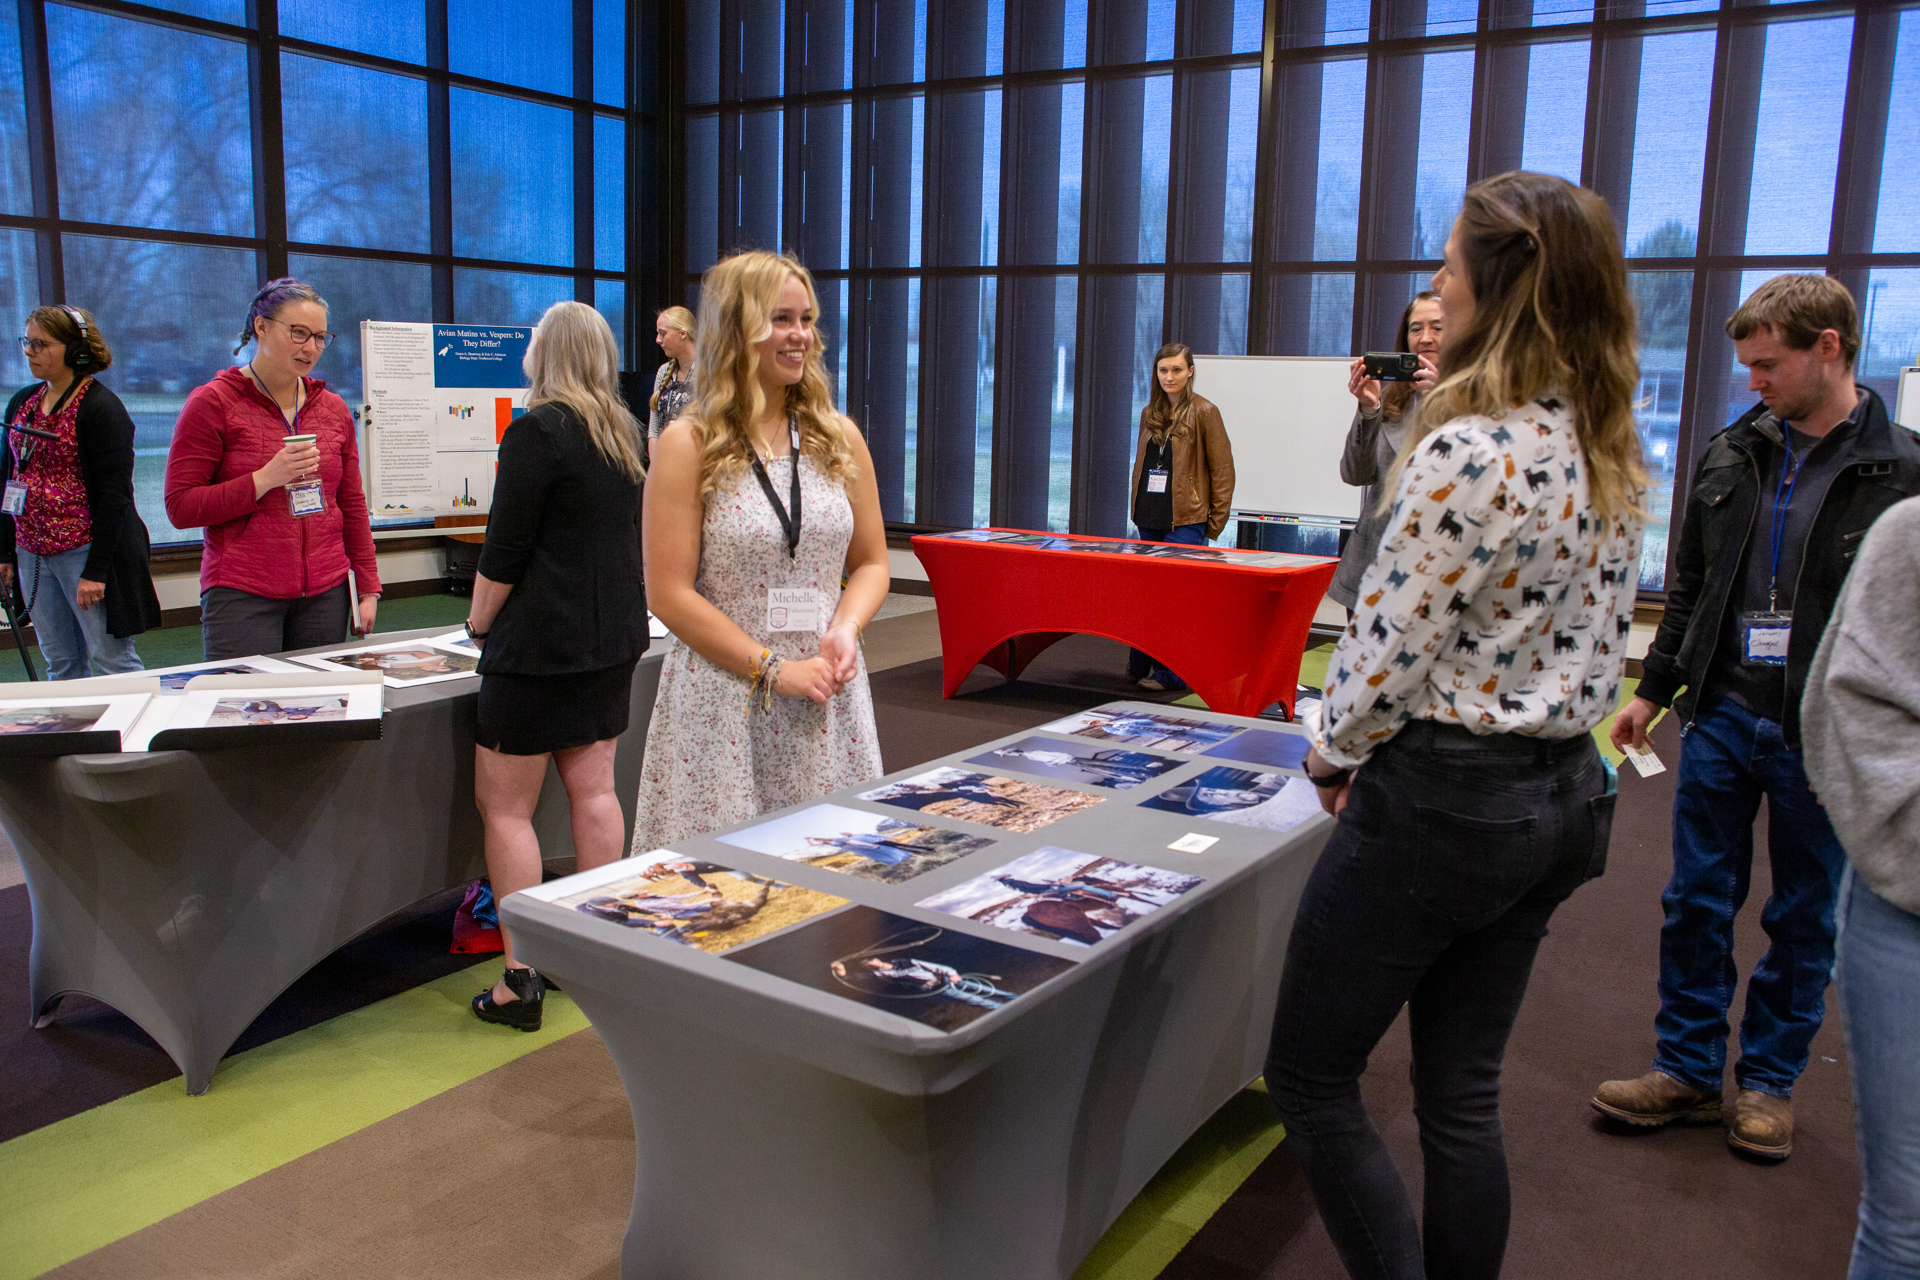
[
  {"x": 1433, "y": 893},
  {"x": 1729, "y": 759},
  {"x": 69, "y": 634},
  {"x": 1879, "y": 976},
  {"x": 1187, "y": 535}
]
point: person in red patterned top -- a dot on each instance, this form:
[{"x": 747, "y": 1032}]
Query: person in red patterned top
[
  {"x": 68, "y": 525},
  {"x": 267, "y": 459}
]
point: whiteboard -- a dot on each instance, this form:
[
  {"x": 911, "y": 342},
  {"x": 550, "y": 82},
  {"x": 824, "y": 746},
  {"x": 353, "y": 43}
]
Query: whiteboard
[
  {"x": 1287, "y": 417},
  {"x": 1906, "y": 406}
]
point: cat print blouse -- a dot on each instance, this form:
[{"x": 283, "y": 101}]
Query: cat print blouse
[{"x": 1499, "y": 599}]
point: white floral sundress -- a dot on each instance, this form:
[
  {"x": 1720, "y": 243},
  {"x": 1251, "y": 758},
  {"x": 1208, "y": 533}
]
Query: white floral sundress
[{"x": 710, "y": 764}]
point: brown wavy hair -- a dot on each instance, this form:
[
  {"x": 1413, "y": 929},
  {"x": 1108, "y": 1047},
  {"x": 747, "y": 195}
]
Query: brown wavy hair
[
  {"x": 1398, "y": 395},
  {"x": 59, "y": 326},
  {"x": 1162, "y": 415},
  {"x": 1551, "y": 313},
  {"x": 737, "y": 300}
]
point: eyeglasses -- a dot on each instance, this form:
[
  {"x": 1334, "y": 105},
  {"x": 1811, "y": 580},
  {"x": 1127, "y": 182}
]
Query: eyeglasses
[
  {"x": 34, "y": 346},
  {"x": 302, "y": 335}
]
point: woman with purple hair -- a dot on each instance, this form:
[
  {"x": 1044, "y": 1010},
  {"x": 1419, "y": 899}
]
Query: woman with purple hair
[{"x": 266, "y": 458}]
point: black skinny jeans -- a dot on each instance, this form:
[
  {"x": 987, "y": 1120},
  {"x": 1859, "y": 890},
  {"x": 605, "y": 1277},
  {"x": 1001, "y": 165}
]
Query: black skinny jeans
[{"x": 1433, "y": 892}]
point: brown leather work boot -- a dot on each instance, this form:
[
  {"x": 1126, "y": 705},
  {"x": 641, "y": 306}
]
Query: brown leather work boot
[
  {"x": 1762, "y": 1125},
  {"x": 1656, "y": 1099}
]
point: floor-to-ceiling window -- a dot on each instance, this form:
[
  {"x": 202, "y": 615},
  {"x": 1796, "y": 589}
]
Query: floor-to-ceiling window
[
  {"x": 421, "y": 160},
  {"x": 1010, "y": 204}
]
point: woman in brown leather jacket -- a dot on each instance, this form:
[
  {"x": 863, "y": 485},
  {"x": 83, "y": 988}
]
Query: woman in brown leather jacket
[{"x": 1182, "y": 475}]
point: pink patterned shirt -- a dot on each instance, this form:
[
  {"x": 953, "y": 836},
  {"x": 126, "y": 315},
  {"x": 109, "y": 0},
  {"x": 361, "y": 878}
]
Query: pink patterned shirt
[{"x": 56, "y": 517}]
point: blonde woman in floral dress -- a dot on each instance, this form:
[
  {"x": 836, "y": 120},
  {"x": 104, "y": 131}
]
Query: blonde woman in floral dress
[{"x": 760, "y": 502}]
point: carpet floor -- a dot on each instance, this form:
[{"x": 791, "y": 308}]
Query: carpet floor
[{"x": 402, "y": 1188}]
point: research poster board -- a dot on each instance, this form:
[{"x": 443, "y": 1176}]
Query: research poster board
[{"x": 438, "y": 399}]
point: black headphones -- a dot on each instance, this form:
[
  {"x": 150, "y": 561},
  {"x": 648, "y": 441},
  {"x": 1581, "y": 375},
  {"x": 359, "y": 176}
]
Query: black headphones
[{"x": 79, "y": 354}]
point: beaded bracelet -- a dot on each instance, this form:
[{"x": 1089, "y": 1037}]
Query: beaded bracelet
[{"x": 758, "y": 674}]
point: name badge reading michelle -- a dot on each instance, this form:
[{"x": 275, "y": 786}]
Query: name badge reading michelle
[
  {"x": 304, "y": 498},
  {"x": 1156, "y": 482},
  {"x": 793, "y": 609},
  {"x": 14, "y": 500},
  {"x": 1763, "y": 639}
]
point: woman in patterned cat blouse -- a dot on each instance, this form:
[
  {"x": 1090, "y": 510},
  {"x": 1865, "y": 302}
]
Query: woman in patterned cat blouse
[{"x": 1489, "y": 637}]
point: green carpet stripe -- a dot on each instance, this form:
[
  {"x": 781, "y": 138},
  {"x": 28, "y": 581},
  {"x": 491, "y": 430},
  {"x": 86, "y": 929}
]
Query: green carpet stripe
[
  {"x": 91, "y": 1179},
  {"x": 1187, "y": 1191}
]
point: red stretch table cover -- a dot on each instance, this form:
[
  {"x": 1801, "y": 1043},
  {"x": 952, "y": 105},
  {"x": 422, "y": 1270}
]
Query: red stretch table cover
[{"x": 1233, "y": 631}]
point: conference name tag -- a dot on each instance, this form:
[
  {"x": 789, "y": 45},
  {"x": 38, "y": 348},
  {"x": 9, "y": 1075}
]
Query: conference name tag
[
  {"x": 14, "y": 501},
  {"x": 304, "y": 498},
  {"x": 1643, "y": 759},
  {"x": 1763, "y": 639},
  {"x": 1156, "y": 482},
  {"x": 793, "y": 609}
]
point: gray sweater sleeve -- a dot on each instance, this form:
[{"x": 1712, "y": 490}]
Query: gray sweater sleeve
[
  {"x": 1861, "y": 714},
  {"x": 1359, "y": 462}
]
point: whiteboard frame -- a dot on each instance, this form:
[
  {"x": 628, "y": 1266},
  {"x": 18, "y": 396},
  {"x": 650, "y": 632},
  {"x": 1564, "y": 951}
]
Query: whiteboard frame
[
  {"x": 1315, "y": 441},
  {"x": 1906, "y": 401}
]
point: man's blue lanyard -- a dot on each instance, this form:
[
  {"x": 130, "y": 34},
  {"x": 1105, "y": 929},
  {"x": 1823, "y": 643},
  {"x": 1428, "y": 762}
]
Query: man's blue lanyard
[{"x": 1782, "y": 505}]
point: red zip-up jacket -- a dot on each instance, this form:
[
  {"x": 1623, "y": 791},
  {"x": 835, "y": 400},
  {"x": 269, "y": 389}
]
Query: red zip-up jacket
[{"x": 228, "y": 430}]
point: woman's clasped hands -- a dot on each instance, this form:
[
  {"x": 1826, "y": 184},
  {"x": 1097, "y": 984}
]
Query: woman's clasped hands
[{"x": 825, "y": 675}]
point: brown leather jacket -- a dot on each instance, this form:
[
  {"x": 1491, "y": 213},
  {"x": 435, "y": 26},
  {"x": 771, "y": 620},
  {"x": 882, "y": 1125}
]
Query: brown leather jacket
[{"x": 1202, "y": 481}]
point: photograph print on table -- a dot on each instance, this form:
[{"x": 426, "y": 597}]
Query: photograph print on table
[
  {"x": 404, "y": 663},
  {"x": 696, "y": 903},
  {"x": 72, "y": 718},
  {"x": 1077, "y": 761},
  {"x": 285, "y": 710},
  {"x": 933, "y": 975},
  {"x": 1057, "y": 893},
  {"x": 1272, "y": 747},
  {"x": 173, "y": 680},
  {"x": 1007, "y": 803},
  {"x": 1243, "y": 797},
  {"x": 1145, "y": 729},
  {"x": 856, "y": 843}
]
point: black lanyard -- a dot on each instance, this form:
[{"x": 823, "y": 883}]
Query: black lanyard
[
  {"x": 789, "y": 525},
  {"x": 23, "y": 453}
]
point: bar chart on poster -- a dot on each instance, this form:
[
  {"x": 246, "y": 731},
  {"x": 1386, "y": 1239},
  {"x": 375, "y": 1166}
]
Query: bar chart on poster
[{"x": 439, "y": 398}]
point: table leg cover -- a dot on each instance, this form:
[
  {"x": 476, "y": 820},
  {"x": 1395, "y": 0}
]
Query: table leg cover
[{"x": 188, "y": 889}]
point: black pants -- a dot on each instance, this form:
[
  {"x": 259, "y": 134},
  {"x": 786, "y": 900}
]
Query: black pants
[
  {"x": 239, "y": 624},
  {"x": 1434, "y": 893}
]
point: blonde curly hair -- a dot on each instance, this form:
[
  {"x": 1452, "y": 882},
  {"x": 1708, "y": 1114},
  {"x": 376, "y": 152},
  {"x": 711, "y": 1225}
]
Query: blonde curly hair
[{"x": 737, "y": 300}]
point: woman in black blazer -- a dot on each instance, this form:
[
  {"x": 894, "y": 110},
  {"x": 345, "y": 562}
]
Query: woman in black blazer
[
  {"x": 70, "y": 524},
  {"x": 561, "y": 617}
]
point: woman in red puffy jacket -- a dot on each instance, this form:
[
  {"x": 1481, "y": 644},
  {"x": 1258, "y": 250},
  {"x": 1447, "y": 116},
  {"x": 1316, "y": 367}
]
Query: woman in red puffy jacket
[{"x": 265, "y": 457}]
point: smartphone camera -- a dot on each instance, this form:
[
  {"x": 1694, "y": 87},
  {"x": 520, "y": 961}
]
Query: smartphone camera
[{"x": 1392, "y": 366}]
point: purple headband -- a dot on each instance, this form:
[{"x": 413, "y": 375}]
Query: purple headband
[{"x": 273, "y": 295}]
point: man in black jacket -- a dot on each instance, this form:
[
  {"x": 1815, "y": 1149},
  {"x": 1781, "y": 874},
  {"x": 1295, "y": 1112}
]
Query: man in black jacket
[{"x": 1776, "y": 511}]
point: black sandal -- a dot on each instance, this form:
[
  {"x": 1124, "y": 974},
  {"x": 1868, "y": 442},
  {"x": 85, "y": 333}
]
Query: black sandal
[{"x": 522, "y": 1014}]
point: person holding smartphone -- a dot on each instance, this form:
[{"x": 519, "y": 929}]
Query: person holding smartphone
[
  {"x": 1379, "y": 427},
  {"x": 268, "y": 461}
]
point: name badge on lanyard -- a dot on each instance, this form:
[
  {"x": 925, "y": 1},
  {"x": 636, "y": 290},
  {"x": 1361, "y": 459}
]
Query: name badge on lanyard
[
  {"x": 304, "y": 498},
  {"x": 1157, "y": 481},
  {"x": 14, "y": 501},
  {"x": 1763, "y": 638},
  {"x": 793, "y": 609},
  {"x": 1764, "y": 633}
]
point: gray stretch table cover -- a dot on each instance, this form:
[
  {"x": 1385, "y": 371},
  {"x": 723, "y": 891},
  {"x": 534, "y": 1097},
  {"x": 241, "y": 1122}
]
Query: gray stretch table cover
[
  {"x": 188, "y": 889},
  {"x": 786, "y": 1132}
]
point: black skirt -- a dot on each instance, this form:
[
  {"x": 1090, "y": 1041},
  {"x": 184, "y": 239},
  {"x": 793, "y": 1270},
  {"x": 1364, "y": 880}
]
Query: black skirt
[{"x": 533, "y": 715}]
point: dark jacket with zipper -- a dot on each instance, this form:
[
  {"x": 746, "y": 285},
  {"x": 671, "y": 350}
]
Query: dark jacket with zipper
[
  {"x": 1880, "y": 467},
  {"x": 119, "y": 553}
]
